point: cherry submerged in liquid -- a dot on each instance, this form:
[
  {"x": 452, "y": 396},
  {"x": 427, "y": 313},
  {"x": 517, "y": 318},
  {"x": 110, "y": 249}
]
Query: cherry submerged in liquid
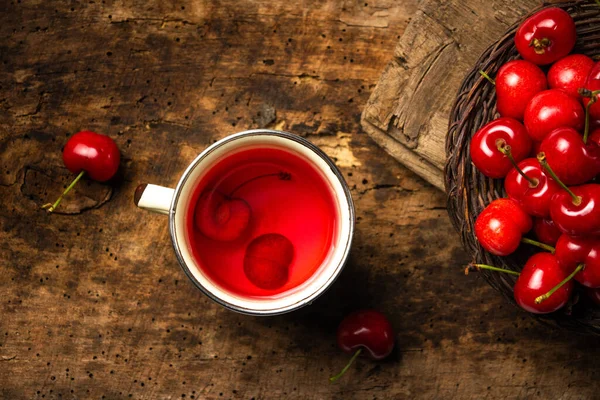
[{"x": 294, "y": 200}]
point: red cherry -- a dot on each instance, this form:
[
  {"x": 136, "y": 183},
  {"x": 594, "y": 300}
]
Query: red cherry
[
  {"x": 365, "y": 329},
  {"x": 96, "y": 154},
  {"x": 572, "y": 251},
  {"x": 540, "y": 275},
  {"x": 531, "y": 188},
  {"x": 267, "y": 260},
  {"x": 485, "y": 152},
  {"x": 517, "y": 82},
  {"x": 546, "y": 36},
  {"x": 570, "y": 73},
  {"x": 501, "y": 225},
  {"x": 546, "y": 231},
  {"x": 552, "y": 109},
  {"x": 89, "y": 153},
  {"x": 577, "y": 213},
  {"x": 573, "y": 161},
  {"x": 220, "y": 217}
]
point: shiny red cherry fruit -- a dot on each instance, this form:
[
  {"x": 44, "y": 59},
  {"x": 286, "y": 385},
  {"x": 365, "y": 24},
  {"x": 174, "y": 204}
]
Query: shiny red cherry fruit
[
  {"x": 531, "y": 188},
  {"x": 90, "y": 153},
  {"x": 96, "y": 154},
  {"x": 541, "y": 274},
  {"x": 574, "y": 251},
  {"x": 572, "y": 160},
  {"x": 577, "y": 213},
  {"x": 221, "y": 217},
  {"x": 570, "y": 73},
  {"x": 546, "y": 231},
  {"x": 546, "y": 36},
  {"x": 485, "y": 152},
  {"x": 517, "y": 82},
  {"x": 552, "y": 109},
  {"x": 267, "y": 261},
  {"x": 501, "y": 225},
  {"x": 367, "y": 330}
]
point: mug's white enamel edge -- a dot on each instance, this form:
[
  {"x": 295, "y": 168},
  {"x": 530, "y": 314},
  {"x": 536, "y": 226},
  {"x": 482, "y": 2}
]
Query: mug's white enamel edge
[{"x": 237, "y": 303}]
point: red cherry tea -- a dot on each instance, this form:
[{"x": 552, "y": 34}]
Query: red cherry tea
[{"x": 261, "y": 221}]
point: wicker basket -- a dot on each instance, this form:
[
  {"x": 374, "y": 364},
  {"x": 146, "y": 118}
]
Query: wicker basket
[{"x": 469, "y": 191}]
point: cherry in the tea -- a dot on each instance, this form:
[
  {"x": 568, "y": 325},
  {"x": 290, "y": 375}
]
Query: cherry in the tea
[{"x": 261, "y": 221}]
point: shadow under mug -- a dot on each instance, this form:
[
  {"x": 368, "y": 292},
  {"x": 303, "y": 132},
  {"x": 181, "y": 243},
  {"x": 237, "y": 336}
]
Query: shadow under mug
[{"x": 176, "y": 202}]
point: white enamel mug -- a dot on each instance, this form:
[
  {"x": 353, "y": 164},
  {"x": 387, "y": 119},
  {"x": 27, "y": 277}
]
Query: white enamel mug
[{"x": 168, "y": 201}]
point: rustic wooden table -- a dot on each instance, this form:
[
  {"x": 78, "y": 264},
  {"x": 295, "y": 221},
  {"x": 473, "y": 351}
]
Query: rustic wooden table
[{"x": 94, "y": 304}]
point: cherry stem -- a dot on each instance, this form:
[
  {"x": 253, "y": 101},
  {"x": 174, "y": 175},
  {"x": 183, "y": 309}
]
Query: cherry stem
[
  {"x": 539, "y": 45},
  {"x": 506, "y": 150},
  {"x": 479, "y": 267},
  {"x": 542, "y": 159},
  {"x": 538, "y": 244},
  {"x": 593, "y": 95},
  {"x": 343, "y": 371},
  {"x": 51, "y": 207},
  {"x": 284, "y": 176},
  {"x": 545, "y": 296},
  {"x": 486, "y": 76}
]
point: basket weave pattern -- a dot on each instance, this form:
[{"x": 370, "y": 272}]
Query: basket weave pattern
[{"x": 469, "y": 191}]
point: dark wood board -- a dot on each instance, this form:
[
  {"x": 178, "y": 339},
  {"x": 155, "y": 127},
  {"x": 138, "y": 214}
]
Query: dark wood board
[{"x": 93, "y": 302}]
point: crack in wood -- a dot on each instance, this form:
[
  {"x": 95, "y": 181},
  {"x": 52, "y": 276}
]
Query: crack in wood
[{"x": 386, "y": 186}]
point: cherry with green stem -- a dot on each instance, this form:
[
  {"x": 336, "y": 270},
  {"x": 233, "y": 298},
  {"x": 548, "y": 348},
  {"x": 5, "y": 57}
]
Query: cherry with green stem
[
  {"x": 574, "y": 210},
  {"x": 573, "y": 161},
  {"x": 546, "y": 296},
  {"x": 367, "y": 331},
  {"x": 88, "y": 153},
  {"x": 542, "y": 286}
]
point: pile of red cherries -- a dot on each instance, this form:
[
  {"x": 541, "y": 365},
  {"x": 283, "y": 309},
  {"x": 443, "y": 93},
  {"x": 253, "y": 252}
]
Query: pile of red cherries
[{"x": 546, "y": 147}]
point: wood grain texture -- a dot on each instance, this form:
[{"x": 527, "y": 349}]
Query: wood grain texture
[
  {"x": 93, "y": 302},
  {"x": 408, "y": 111}
]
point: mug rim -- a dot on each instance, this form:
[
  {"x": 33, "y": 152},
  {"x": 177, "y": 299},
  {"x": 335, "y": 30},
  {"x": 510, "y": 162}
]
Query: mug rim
[{"x": 313, "y": 295}]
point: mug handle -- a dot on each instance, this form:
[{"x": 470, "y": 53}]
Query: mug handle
[{"x": 153, "y": 198}]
